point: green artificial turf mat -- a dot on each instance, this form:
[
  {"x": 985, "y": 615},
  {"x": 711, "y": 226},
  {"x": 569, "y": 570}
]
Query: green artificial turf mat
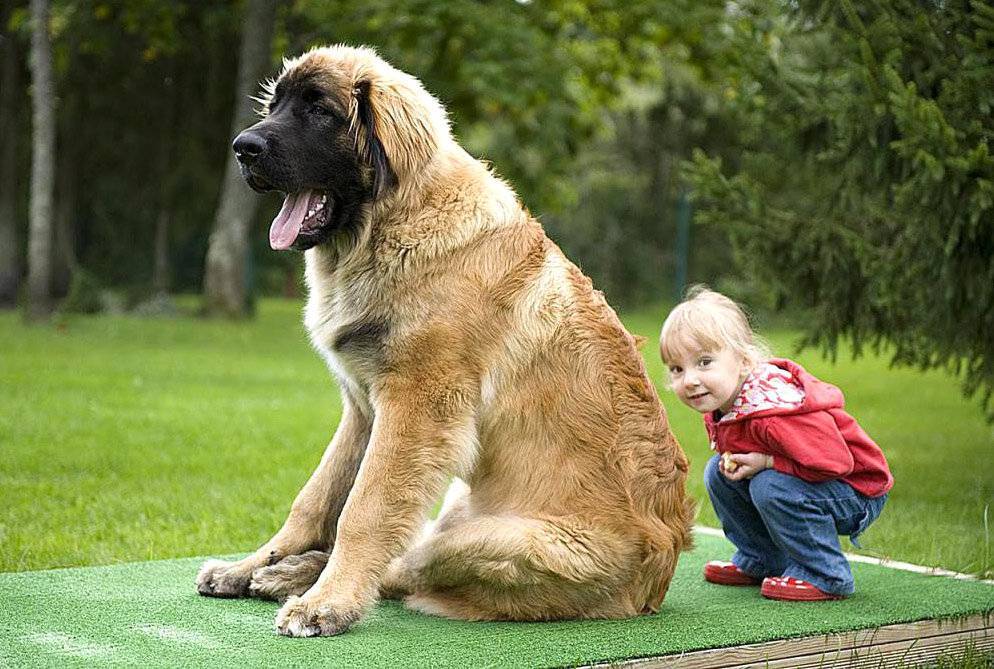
[{"x": 148, "y": 614}]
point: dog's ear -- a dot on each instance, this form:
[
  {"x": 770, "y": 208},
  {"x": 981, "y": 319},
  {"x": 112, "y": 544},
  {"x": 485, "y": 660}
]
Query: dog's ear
[{"x": 371, "y": 150}]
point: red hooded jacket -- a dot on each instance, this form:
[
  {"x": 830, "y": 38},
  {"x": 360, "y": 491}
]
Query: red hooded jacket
[{"x": 815, "y": 441}]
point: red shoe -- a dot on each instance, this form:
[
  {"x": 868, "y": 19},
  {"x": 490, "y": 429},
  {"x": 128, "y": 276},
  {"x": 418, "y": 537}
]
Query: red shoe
[
  {"x": 789, "y": 589},
  {"x": 726, "y": 573}
]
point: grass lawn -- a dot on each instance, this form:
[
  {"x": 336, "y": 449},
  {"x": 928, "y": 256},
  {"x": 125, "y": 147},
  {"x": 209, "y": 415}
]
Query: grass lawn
[{"x": 128, "y": 439}]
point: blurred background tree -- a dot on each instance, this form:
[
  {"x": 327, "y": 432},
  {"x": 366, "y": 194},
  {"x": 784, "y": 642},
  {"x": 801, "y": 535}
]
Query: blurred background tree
[
  {"x": 226, "y": 290},
  {"x": 39, "y": 305},
  {"x": 11, "y": 108},
  {"x": 837, "y": 152}
]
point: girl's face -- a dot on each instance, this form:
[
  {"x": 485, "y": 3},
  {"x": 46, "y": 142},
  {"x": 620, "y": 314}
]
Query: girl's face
[{"x": 706, "y": 381}]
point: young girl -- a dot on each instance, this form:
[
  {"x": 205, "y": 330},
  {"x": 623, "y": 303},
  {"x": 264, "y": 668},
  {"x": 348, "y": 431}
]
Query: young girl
[{"x": 792, "y": 469}]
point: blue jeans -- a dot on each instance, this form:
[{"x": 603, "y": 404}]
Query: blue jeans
[{"x": 784, "y": 526}]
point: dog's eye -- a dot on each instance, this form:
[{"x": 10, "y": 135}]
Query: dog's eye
[
  {"x": 311, "y": 95},
  {"x": 319, "y": 110}
]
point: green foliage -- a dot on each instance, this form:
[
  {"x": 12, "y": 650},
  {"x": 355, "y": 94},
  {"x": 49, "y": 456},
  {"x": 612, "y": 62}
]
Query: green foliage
[
  {"x": 585, "y": 107},
  {"x": 622, "y": 228},
  {"x": 864, "y": 189},
  {"x": 503, "y": 77},
  {"x": 145, "y": 94},
  {"x": 527, "y": 84}
]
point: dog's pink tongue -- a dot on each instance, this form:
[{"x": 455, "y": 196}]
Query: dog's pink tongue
[{"x": 286, "y": 226}]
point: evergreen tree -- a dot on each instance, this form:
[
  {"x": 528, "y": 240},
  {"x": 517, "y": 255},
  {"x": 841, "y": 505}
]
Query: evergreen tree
[{"x": 866, "y": 185}]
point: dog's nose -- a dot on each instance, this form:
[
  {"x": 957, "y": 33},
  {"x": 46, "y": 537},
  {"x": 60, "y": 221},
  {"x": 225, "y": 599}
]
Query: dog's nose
[{"x": 248, "y": 146}]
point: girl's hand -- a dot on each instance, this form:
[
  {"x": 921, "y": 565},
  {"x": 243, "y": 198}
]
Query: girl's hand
[{"x": 747, "y": 465}]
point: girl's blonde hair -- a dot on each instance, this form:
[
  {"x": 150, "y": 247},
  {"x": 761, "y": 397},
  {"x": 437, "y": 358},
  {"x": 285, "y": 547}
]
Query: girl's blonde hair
[{"x": 709, "y": 321}]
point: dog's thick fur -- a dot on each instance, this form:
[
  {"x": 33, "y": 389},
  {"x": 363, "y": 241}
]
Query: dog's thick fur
[{"x": 466, "y": 345}]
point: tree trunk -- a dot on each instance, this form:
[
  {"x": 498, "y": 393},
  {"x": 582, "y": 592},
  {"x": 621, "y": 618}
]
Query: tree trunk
[
  {"x": 39, "y": 304},
  {"x": 64, "y": 262},
  {"x": 161, "y": 270},
  {"x": 68, "y": 138},
  {"x": 225, "y": 274},
  {"x": 161, "y": 274},
  {"x": 10, "y": 121}
]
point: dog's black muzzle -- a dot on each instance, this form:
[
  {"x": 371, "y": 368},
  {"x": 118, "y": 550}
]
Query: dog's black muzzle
[
  {"x": 256, "y": 182},
  {"x": 250, "y": 146}
]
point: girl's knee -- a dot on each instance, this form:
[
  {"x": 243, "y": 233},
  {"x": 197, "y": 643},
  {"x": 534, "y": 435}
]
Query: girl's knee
[{"x": 770, "y": 489}]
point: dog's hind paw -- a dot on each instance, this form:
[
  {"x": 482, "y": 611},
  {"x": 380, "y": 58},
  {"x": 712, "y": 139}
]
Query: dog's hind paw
[
  {"x": 293, "y": 575},
  {"x": 218, "y": 578}
]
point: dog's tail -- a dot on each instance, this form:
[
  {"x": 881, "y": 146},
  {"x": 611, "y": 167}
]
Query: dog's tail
[
  {"x": 656, "y": 475},
  {"x": 653, "y": 471}
]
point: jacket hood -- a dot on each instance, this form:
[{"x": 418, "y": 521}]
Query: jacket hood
[{"x": 818, "y": 395}]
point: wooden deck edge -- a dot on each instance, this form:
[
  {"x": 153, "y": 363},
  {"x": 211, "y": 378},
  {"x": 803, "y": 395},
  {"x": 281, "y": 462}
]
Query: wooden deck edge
[{"x": 902, "y": 644}]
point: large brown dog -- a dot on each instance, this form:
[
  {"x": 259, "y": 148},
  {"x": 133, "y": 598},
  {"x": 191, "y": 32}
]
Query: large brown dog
[{"x": 466, "y": 345}]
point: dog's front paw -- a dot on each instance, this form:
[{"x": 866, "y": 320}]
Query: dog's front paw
[
  {"x": 300, "y": 616},
  {"x": 218, "y": 578},
  {"x": 293, "y": 575}
]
